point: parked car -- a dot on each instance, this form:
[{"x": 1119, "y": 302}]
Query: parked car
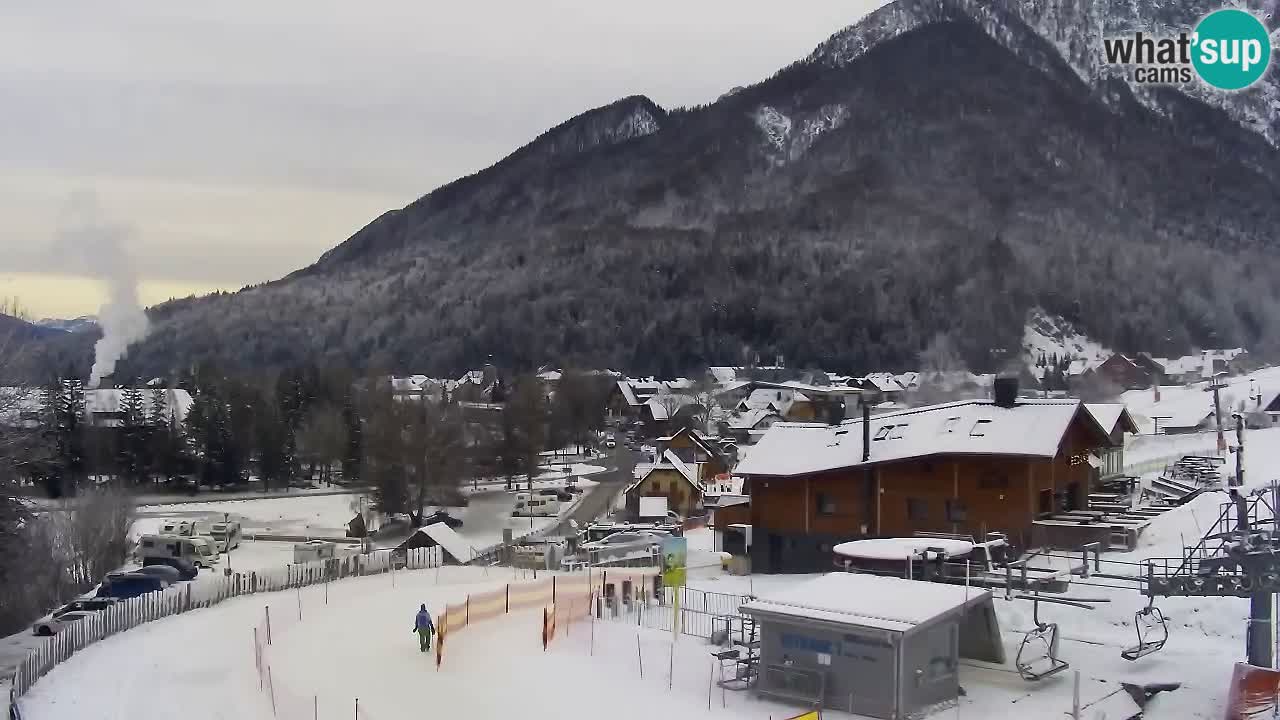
[
  {"x": 441, "y": 516},
  {"x": 170, "y": 575},
  {"x": 53, "y": 626},
  {"x": 622, "y": 544},
  {"x": 130, "y": 585},
  {"x": 561, "y": 495},
  {"x": 186, "y": 570},
  {"x": 610, "y": 443},
  {"x": 84, "y": 605},
  {"x": 165, "y": 579}
]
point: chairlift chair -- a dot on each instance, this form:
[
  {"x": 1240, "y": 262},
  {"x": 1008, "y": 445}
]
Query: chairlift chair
[
  {"x": 1038, "y": 653},
  {"x": 1153, "y": 632}
]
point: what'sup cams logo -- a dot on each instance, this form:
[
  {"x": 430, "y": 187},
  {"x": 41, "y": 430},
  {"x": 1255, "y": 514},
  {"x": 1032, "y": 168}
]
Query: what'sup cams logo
[{"x": 1228, "y": 49}]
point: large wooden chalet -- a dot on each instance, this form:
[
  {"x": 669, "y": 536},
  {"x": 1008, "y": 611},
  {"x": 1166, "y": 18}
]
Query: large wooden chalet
[{"x": 966, "y": 467}]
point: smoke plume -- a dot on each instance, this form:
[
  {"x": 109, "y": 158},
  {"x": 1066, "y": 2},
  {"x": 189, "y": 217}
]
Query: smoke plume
[{"x": 101, "y": 245}]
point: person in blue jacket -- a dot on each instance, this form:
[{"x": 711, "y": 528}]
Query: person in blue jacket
[{"x": 424, "y": 627}]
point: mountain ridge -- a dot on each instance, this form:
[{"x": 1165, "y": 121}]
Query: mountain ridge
[{"x": 804, "y": 215}]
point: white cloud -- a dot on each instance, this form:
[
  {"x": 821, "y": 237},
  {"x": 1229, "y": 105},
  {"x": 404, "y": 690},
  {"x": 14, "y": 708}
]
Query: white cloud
[{"x": 285, "y": 126}]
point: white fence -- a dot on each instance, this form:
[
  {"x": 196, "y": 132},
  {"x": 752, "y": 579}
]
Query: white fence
[{"x": 177, "y": 599}]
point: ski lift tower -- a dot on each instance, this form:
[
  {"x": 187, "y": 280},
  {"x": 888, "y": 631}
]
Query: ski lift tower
[{"x": 1238, "y": 557}]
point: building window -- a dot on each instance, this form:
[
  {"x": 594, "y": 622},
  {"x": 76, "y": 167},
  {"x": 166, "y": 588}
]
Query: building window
[
  {"x": 917, "y": 509},
  {"x": 825, "y": 505},
  {"x": 980, "y": 428},
  {"x": 955, "y": 511},
  {"x": 993, "y": 482},
  {"x": 950, "y": 424},
  {"x": 896, "y": 433},
  {"x": 883, "y": 432}
]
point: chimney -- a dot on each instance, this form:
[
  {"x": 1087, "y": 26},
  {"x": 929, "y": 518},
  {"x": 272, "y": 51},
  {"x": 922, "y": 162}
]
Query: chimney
[
  {"x": 866, "y": 432},
  {"x": 1006, "y": 391}
]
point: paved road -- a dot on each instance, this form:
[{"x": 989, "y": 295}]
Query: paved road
[{"x": 599, "y": 499}]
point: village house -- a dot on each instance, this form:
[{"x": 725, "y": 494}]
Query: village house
[
  {"x": 671, "y": 478},
  {"x": 1115, "y": 420},
  {"x": 881, "y": 388},
  {"x": 1130, "y": 372},
  {"x": 1270, "y": 407},
  {"x": 966, "y": 467},
  {"x": 708, "y": 459}
]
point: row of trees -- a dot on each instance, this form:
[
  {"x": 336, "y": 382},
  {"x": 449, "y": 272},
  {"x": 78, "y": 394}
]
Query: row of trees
[{"x": 46, "y": 558}]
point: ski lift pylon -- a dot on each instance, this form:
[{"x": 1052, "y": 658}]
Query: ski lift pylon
[
  {"x": 1153, "y": 632},
  {"x": 1038, "y": 653}
]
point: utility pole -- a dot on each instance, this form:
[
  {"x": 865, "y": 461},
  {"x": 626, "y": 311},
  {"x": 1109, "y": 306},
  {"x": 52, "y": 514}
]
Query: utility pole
[
  {"x": 1217, "y": 413},
  {"x": 1239, "y": 479},
  {"x": 1258, "y": 638}
]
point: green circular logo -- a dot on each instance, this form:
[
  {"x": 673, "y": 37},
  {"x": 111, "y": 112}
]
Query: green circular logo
[{"x": 1232, "y": 49}]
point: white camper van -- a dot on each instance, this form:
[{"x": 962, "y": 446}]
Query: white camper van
[
  {"x": 185, "y": 528},
  {"x": 226, "y": 534},
  {"x": 536, "y": 505},
  {"x": 197, "y": 551},
  {"x": 313, "y": 551}
]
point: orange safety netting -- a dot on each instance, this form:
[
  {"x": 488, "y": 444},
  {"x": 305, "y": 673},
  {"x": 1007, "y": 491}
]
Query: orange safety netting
[{"x": 1253, "y": 693}]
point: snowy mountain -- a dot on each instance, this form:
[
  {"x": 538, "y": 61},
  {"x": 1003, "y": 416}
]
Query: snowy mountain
[
  {"x": 943, "y": 167},
  {"x": 84, "y": 323},
  {"x": 1044, "y": 32},
  {"x": 1047, "y": 338}
]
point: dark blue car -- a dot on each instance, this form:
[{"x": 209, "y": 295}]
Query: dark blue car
[{"x": 129, "y": 585}]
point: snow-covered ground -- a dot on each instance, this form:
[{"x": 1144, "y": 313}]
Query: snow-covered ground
[
  {"x": 355, "y": 646},
  {"x": 309, "y": 515},
  {"x": 1180, "y": 401}
]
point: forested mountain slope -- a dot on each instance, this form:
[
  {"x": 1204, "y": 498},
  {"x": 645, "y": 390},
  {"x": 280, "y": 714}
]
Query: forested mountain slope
[{"x": 945, "y": 178}]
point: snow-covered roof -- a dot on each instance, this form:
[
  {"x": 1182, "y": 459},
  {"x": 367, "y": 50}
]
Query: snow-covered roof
[
  {"x": 452, "y": 542},
  {"x": 658, "y": 404},
  {"x": 875, "y": 601},
  {"x": 1108, "y": 414},
  {"x": 549, "y": 375},
  {"x": 628, "y": 395},
  {"x": 1185, "y": 365},
  {"x": 670, "y": 461},
  {"x": 749, "y": 419},
  {"x": 779, "y": 400},
  {"x": 723, "y": 375},
  {"x": 907, "y": 380},
  {"x": 731, "y": 386},
  {"x": 1031, "y": 428},
  {"x": 475, "y": 377},
  {"x": 884, "y": 382}
]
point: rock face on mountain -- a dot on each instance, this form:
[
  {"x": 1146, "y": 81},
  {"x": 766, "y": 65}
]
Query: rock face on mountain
[{"x": 939, "y": 168}]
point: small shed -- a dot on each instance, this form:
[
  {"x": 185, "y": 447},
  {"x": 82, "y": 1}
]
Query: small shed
[
  {"x": 872, "y": 645},
  {"x": 457, "y": 550}
]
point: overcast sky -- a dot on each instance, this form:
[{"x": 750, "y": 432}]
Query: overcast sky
[{"x": 236, "y": 141}]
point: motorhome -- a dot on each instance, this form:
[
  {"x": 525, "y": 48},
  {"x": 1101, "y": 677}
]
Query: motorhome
[
  {"x": 536, "y": 504},
  {"x": 197, "y": 551},
  {"x": 313, "y": 551},
  {"x": 227, "y": 534},
  {"x": 185, "y": 528}
]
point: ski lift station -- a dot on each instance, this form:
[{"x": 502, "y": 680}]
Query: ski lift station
[{"x": 872, "y": 645}]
